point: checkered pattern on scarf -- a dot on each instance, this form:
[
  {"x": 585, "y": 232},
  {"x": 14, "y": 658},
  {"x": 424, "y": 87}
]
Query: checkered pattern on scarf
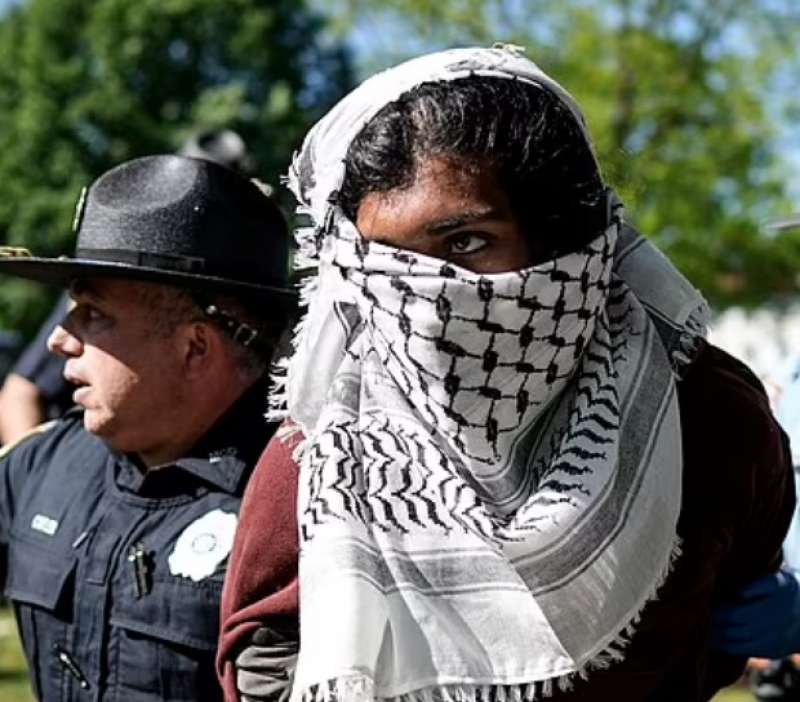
[
  {"x": 397, "y": 477},
  {"x": 477, "y": 355},
  {"x": 475, "y": 358}
]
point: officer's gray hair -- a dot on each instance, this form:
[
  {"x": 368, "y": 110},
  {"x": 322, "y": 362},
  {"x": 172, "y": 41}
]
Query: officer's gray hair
[{"x": 173, "y": 306}]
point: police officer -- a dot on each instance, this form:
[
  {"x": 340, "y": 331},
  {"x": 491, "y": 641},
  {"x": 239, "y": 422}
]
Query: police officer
[
  {"x": 117, "y": 519},
  {"x": 35, "y": 388}
]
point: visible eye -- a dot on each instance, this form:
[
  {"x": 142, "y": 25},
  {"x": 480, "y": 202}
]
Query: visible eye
[
  {"x": 87, "y": 313},
  {"x": 466, "y": 243}
]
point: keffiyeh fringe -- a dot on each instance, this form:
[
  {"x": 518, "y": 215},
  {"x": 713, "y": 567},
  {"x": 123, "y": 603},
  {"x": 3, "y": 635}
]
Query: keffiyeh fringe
[{"x": 361, "y": 689}]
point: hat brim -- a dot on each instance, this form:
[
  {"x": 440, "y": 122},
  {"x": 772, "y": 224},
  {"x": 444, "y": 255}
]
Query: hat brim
[{"x": 62, "y": 271}]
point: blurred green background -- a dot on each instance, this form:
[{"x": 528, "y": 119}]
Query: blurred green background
[{"x": 693, "y": 106}]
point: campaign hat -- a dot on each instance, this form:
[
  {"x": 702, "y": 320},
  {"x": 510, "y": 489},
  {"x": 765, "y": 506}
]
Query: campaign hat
[{"x": 176, "y": 220}]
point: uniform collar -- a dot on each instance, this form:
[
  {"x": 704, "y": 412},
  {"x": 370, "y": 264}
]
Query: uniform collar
[{"x": 223, "y": 458}]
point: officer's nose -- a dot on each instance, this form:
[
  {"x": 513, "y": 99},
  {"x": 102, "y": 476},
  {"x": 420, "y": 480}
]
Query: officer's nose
[{"x": 62, "y": 343}]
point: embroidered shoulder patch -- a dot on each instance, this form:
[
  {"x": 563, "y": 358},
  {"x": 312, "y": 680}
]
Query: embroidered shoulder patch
[{"x": 203, "y": 545}]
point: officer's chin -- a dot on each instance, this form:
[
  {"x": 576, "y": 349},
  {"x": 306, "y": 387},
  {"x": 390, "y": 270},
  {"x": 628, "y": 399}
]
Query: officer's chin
[{"x": 99, "y": 423}]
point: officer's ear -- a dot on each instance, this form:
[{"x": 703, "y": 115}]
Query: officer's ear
[{"x": 199, "y": 344}]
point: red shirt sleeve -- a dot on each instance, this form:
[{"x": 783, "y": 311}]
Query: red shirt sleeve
[{"x": 261, "y": 582}]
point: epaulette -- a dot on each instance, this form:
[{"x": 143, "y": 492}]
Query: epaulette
[{"x": 39, "y": 429}]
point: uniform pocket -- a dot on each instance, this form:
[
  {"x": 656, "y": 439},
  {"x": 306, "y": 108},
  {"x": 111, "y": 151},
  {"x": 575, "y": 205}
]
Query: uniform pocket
[
  {"x": 39, "y": 576},
  {"x": 174, "y": 611},
  {"x": 40, "y": 583},
  {"x": 168, "y": 639}
]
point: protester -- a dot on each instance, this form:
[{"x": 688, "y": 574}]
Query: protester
[
  {"x": 119, "y": 517},
  {"x": 35, "y": 389},
  {"x": 522, "y": 472}
]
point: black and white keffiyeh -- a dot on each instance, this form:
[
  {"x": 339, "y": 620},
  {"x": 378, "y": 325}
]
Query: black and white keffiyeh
[{"x": 490, "y": 483}]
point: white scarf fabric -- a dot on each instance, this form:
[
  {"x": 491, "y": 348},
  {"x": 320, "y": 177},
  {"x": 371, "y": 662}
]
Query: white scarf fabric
[{"x": 490, "y": 482}]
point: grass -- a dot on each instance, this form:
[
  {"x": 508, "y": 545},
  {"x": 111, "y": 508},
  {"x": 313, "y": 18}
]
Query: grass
[
  {"x": 735, "y": 694},
  {"x": 14, "y": 685}
]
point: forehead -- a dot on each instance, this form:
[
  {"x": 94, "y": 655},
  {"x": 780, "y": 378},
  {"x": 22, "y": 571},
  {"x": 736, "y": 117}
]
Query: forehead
[
  {"x": 441, "y": 188},
  {"x": 115, "y": 291}
]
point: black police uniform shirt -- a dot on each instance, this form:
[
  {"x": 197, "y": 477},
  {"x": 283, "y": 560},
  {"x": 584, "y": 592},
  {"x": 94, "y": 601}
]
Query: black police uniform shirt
[{"x": 116, "y": 574}]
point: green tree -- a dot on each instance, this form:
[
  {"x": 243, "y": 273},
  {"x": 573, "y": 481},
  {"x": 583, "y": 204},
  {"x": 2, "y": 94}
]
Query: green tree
[
  {"x": 85, "y": 85},
  {"x": 682, "y": 101}
]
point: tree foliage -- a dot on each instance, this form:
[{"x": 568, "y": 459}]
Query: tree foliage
[
  {"x": 85, "y": 85},
  {"x": 681, "y": 101}
]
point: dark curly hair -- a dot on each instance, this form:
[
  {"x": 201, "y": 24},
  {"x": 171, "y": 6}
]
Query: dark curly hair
[{"x": 533, "y": 142}]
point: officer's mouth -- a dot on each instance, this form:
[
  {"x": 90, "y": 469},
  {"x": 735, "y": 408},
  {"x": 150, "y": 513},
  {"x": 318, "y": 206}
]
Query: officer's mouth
[
  {"x": 82, "y": 389},
  {"x": 80, "y": 394}
]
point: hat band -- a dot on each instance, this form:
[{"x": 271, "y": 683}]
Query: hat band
[{"x": 145, "y": 259}]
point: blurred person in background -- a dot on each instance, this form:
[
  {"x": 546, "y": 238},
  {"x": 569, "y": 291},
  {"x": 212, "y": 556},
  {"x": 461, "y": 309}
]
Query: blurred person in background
[
  {"x": 512, "y": 468},
  {"x": 35, "y": 389},
  {"x": 10, "y": 346},
  {"x": 116, "y": 521},
  {"x": 224, "y": 146}
]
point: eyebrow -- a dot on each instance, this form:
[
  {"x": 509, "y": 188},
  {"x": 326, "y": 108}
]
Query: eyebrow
[
  {"x": 443, "y": 226},
  {"x": 84, "y": 289}
]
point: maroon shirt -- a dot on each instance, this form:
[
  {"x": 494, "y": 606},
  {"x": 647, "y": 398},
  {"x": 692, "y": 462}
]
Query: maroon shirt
[{"x": 738, "y": 499}]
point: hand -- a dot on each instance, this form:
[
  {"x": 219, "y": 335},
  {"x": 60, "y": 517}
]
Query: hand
[
  {"x": 265, "y": 668},
  {"x": 762, "y": 621}
]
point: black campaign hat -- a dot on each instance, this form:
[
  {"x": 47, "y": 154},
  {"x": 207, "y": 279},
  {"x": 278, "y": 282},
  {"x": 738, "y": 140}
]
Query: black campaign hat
[{"x": 175, "y": 220}]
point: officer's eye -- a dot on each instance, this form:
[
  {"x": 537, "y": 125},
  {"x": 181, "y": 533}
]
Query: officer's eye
[{"x": 88, "y": 313}]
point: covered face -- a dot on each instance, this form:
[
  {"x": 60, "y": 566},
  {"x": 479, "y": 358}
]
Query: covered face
[
  {"x": 502, "y": 168},
  {"x": 460, "y": 215},
  {"x": 478, "y": 160}
]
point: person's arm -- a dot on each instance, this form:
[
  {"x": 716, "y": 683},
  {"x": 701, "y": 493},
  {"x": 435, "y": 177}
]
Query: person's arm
[
  {"x": 265, "y": 666},
  {"x": 763, "y": 620},
  {"x": 35, "y": 380},
  {"x": 259, "y": 619},
  {"x": 21, "y": 407}
]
